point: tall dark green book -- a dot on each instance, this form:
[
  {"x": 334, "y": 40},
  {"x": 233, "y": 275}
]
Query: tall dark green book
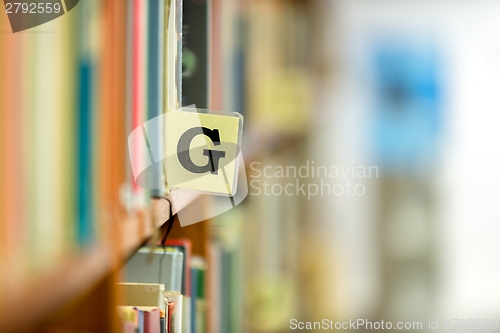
[
  {"x": 198, "y": 299},
  {"x": 195, "y": 30}
]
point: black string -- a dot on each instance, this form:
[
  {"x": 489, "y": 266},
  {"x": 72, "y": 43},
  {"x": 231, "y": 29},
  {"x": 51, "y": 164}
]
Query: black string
[{"x": 170, "y": 222}]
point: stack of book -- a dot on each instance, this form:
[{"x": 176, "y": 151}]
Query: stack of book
[
  {"x": 178, "y": 275},
  {"x": 145, "y": 308}
]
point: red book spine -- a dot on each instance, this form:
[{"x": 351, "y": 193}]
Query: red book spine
[{"x": 170, "y": 323}]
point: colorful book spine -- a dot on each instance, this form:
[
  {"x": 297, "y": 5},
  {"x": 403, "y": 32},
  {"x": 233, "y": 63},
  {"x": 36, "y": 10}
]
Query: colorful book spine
[
  {"x": 184, "y": 245},
  {"x": 186, "y": 314},
  {"x": 66, "y": 95},
  {"x": 52, "y": 149},
  {"x": 177, "y": 312},
  {"x": 198, "y": 301},
  {"x": 12, "y": 228},
  {"x": 112, "y": 154},
  {"x": 156, "y": 72},
  {"x": 172, "y": 62},
  {"x": 146, "y": 319},
  {"x": 216, "y": 68},
  {"x": 128, "y": 318},
  {"x": 195, "y": 53},
  {"x": 170, "y": 319},
  {"x": 232, "y": 55},
  {"x": 127, "y": 188},
  {"x": 173, "y": 19},
  {"x": 3, "y": 151},
  {"x": 194, "y": 282},
  {"x": 178, "y": 52},
  {"x": 163, "y": 321},
  {"x": 140, "y": 320},
  {"x": 137, "y": 87},
  {"x": 86, "y": 122}
]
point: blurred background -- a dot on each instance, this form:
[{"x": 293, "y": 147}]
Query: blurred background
[
  {"x": 370, "y": 144},
  {"x": 408, "y": 87}
]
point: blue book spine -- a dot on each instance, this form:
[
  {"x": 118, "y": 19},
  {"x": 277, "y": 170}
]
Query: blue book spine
[
  {"x": 84, "y": 165},
  {"x": 141, "y": 321},
  {"x": 84, "y": 151}
]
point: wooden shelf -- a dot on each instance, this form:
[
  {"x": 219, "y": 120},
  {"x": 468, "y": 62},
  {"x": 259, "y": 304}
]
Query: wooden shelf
[
  {"x": 136, "y": 229},
  {"x": 72, "y": 278},
  {"x": 39, "y": 298}
]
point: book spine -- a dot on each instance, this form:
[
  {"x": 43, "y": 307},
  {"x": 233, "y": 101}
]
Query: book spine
[
  {"x": 156, "y": 48},
  {"x": 85, "y": 122},
  {"x": 177, "y": 315},
  {"x": 178, "y": 32},
  {"x": 152, "y": 321},
  {"x": 194, "y": 284},
  {"x": 4, "y": 227},
  {"x": 66, "y": 96},
  {"x": 140, "y": 320},
  {"x": 170, "y": 317},
  {"x": 56, "y": 63},
  {"x": 195, "y": 53},
  {"x": 163, "y": 321},
  {"x": 215, "y": 44},
  {"x": 12, "y": 173},
  {"x": 172, "y": 54},
  {"x": 112, "y": 118},
  {"x": 118, "y": 108},
  {"x": 198, "y": 296},
  {"x": 186, "y": 314},
  {"x": 138, "y": 86}
]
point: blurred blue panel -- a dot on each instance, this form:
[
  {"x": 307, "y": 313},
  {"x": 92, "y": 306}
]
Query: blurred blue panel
[{"x": 407, "y": 105}]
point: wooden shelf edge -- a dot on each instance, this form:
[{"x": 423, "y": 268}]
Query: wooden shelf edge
[{"x": 138, "y": 228}]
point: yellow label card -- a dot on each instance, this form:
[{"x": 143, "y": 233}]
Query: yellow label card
[{"x": 202, "y": 151}]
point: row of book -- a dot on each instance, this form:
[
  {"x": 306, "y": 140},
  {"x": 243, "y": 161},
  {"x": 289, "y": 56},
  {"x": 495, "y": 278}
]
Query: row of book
[
  {"x": 48, "y": 123},
  {"x": 74, "y": 88},
  {"x": 170, "y": 282},
  {"x": 71, "y": 91}
]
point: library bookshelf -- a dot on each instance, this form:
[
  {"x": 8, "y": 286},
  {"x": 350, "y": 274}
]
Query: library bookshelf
[{"x": 79, "y": 292}]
